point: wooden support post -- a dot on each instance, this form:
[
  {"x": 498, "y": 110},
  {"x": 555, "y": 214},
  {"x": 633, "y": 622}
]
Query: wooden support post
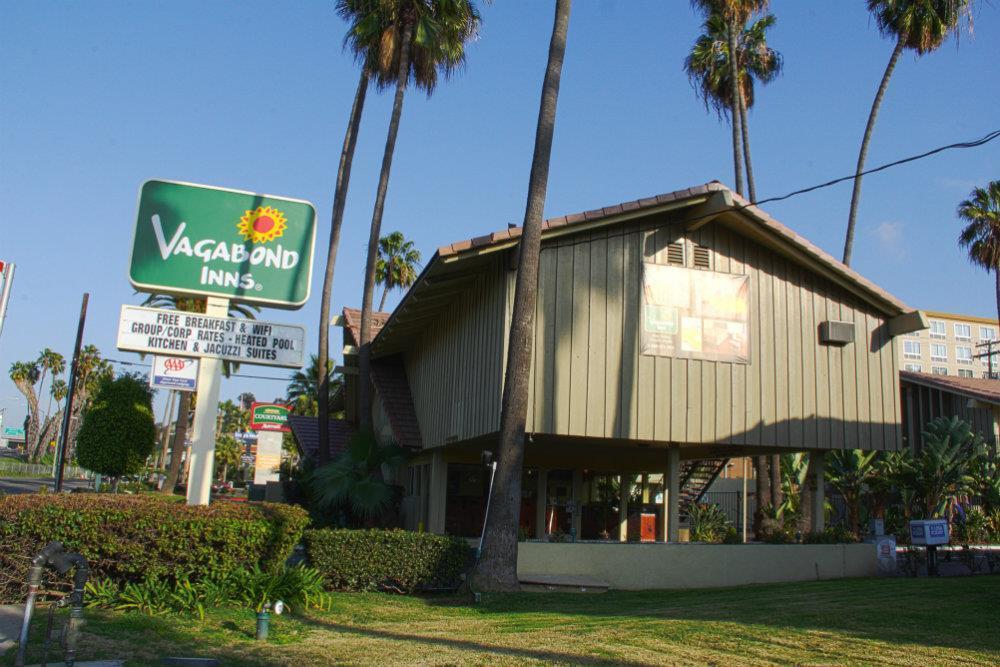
[
  {"x": 672, "y": 496},
  {"x": 625, "y": 490},
  {"x": 438, "y": 490},
  {"x": 577, "y": 503},
  {"x": 541, "y": 503}
]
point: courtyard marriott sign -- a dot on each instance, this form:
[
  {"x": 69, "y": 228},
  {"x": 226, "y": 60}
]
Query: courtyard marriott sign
[
  {"x": 201, "y": 240},
  {"x": 173, "y": 332}
]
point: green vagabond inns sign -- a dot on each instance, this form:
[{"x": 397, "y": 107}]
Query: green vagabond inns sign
[{"x": 207, "y": 241}]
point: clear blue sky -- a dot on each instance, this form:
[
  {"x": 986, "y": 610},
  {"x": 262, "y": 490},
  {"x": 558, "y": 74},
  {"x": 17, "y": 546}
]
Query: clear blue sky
[{"x": 96, "y": 97}]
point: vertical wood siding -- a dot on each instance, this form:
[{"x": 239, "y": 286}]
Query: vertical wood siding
[
  {"x": 455, "y": 367},
  {"x": 588, "y": 378}
]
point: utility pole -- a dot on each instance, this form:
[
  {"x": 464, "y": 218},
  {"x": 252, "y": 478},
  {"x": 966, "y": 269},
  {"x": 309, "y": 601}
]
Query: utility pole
[
  {"x": 64, "y": 431},
  {"x": 989, "y": 356}
]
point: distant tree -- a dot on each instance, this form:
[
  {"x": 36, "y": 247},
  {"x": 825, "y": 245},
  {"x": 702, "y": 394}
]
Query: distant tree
[
  {"x": 707, "y": 67},
  {"x": 303, "y": 389},
  {"x": 228, "y": 453},
  {"x": 397, "y": 264},
  {"x": 25, "y": 375},
  {"x": 734, "y": 13},
  {"x": 921, "y": 26},
  {"x": 981, "y": 235},
  {"x": 52, "y": 363},
  {"x": 118, "y": 432},
  {"x": 246, "y": 399},
  {"x": 423, "y": 39}
]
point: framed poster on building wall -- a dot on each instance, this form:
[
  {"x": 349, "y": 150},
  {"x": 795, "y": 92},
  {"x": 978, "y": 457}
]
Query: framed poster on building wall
[{"x": 695, "y": 314}]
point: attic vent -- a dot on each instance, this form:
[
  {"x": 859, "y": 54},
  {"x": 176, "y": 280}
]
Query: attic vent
[
  {"x": 675, "y": 253},
  {"x": 702, "y": 258}
]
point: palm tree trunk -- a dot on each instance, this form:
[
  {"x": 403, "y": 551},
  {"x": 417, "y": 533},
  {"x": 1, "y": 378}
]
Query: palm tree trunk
[
  {"x": 863, "y": 155},
  {"x": 365, "y": 356},
  {"x": 180, "y": 435},
  {"x": 339, "y": 201},
  {"x": 497, "y": 569},
  {"x": 776, "y": 495},
  {"x": 734, "y": 108},
  {"x": 996, "y": 273},
  {"x": 745, "y": 128},
  {"x": 381, "y": 303},
  {"x": 762, "y": 490}
]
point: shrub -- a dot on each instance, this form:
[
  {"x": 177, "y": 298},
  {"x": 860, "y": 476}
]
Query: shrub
[
  {"x": 296, "y": 586},
  {"x": 128, "y": 538},
  {"x": 974, "y": 529},
  {"x": 118, "y": 433},
  {"x": 831, "y": 535},
  {"x": 386, "y": 560},
  {"x": 708, "y": 523}
]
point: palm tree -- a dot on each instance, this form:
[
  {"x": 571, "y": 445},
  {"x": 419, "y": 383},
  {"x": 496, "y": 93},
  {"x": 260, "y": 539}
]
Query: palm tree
[
  {"x": 303, "y": 390},
  {"x": 191, "y": 305},
  {"x": 981, "y": 236},
  {"x": 396, "y": 265},
  {"x": 227, "y": 453},
  {"x": 422, "y": 38},
  {"x": 942, "y": 469},
  {"x": 356, "y": 477},
  {"x": 734, "y": 13},
  {"x": 53, "y": 363},
  {"x": 25, "y": 375},
  {"x": 849, "y": 472},
  {"x": 707, "y": 67},
  {"x": 921, "y": 26},
  {"x": 497, "y": 567}
]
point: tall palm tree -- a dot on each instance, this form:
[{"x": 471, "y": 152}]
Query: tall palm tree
[
  {"x": 423, "y": 38},
  {"x": 52, "y": 363},
  {"x": 396, "y": 265},
  {"x": 981, "y": 236},
  {"x": 25, "y": 375},
  {"x": 735, "y": 14},
  {"x": 921, "y": 26},
  {"x": 497, "y": 567},
  {"x": 303, "y": 387},
  {"x": 191, "y": 305},
  {"x": 707, "y": 67}
]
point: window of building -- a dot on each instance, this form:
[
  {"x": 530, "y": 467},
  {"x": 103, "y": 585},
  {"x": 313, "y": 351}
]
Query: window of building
[
  {"x": 913, "y": 368},
  {"x": 995, "y": 359},
  {"x": 964, "y": 373},
  {"x": 939, "y": 352},
  {"x": 940, "y": 370},
  {"x": 963, "y": 331},
  {"x": 911, "y": 349},
  {"x": 987, "y": 333},
  {"x": 937, "y": 329},
  {"x": 963, "y": 354}
]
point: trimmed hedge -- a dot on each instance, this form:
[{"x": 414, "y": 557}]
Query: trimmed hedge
[
  {"x": 126, "y": 538},
  {"x": 399, "y": 561}
]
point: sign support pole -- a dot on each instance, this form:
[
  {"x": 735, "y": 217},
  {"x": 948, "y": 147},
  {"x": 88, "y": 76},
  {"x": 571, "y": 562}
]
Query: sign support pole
[{"x": 202, "y": 463}]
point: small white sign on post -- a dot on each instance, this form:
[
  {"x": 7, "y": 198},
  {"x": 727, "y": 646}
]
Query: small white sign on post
[
  {"x": 268, "y": 457},
  {"x": 173, "y": 332},
  {"x": 179, "y": 373}
]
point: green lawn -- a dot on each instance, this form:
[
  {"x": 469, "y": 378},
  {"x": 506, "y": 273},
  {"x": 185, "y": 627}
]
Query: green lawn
[{"x": 882, "y": 621}]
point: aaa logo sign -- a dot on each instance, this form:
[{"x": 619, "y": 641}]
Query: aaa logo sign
[{"x": 195, "y": 239}]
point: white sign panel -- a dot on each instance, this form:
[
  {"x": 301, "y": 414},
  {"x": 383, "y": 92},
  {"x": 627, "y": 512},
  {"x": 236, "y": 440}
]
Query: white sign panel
[
  {"x": 268, "y": 457},
  {"x": 176, "y": 333},
  {"x": 180, "y": 373}
]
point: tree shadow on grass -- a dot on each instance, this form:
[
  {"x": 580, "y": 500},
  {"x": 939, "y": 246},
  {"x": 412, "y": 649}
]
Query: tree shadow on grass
[
  {"x": 954, "y": 612},
  {"x": 543, "y": 655}
]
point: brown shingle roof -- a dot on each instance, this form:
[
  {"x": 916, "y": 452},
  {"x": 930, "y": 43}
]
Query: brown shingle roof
[
  {"x": 352, "y": 322},
  {"x": 394, "y": 390},
  {"x": 739, "y": 203},
  {"x": 306, "y": 432},
  {"x": 978, "y": 388}
]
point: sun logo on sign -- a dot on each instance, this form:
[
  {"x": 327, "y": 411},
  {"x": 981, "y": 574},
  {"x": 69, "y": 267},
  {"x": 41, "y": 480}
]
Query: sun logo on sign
[{"x": 262, "y": 225}]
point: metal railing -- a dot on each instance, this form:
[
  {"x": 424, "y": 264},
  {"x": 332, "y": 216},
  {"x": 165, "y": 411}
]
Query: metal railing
[{"x": 15, "y": 468}]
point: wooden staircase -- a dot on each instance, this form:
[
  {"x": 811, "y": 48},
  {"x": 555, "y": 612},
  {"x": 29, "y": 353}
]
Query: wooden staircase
[{"x": 696, "y": 477}]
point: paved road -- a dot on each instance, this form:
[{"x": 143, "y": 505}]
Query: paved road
[{"x": 32, "y": 484}]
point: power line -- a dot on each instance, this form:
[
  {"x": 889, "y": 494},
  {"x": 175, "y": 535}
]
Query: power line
[{"x": 963, "y": 144}]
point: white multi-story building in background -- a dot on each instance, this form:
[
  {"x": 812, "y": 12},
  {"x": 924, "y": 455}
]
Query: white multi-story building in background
[{"x": 952, "y": 346}]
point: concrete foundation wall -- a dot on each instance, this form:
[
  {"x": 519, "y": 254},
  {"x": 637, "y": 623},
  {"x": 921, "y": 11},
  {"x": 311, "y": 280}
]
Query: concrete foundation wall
[{"x": 653, "y": 566}]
